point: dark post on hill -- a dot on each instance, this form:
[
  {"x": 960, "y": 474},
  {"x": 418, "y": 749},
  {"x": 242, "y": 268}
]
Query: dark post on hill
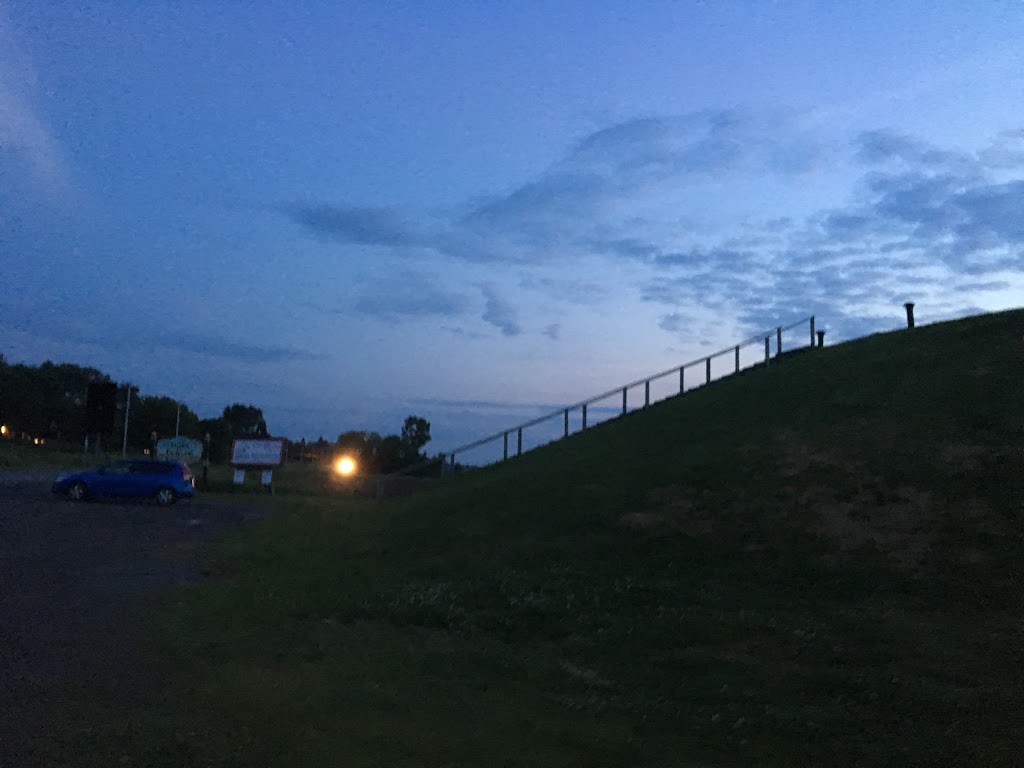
[
  {"x": 910, "y": 313},
  {"x": 100, "y": 408}
]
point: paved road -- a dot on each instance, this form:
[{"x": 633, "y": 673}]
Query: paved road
[{"x": 72, "y": 579}]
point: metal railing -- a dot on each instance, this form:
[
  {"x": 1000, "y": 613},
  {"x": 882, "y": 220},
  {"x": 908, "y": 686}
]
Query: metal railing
[{"x": 703, "y": 364}]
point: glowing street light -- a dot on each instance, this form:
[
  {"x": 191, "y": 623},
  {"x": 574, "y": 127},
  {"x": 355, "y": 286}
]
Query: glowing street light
[{"x": 345, "y": 466}]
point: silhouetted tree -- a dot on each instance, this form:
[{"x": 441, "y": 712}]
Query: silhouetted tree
[
  {"x": 245, "y": 420},
  {"x": 46, "y": 400},
  {"x": 220, "y": 438},
  {"x": 156, "y": 413},
  {"x": 415, "y": 435}
]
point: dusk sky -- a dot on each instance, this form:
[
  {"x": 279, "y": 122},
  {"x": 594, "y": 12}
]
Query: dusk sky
[{"x": 346, "y": 213}]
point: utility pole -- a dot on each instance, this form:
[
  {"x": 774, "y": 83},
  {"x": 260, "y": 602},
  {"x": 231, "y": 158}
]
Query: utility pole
[
  {"x": 127, "y": 409},
  {"x": 177, "y": 421}
]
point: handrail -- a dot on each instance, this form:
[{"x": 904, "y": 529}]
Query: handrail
[{"x": 646, "y": 379}]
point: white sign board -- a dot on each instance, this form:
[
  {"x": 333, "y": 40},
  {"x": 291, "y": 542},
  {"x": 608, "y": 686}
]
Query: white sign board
[
  {"x": 257, "y": 453},
  {"x": 239, "y": 477},
  {"x": 179, "y": 449}
]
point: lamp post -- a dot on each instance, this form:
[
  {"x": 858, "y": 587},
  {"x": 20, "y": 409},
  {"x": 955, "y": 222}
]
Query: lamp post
[
  {"x": 177, "y": 421},
  {"x": 127, "y": 409},
  {"x": 206, "y": 461}
]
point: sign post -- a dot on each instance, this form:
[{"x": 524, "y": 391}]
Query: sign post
[{"x": 266, "y": 454}]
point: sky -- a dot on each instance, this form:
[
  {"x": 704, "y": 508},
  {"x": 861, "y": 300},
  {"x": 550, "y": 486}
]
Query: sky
[{"x": 475, "y": 212}]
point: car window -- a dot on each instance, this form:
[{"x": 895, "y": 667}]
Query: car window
[
  {"x": 121, "y": 468},
  {"x": 143, "y": 467}
]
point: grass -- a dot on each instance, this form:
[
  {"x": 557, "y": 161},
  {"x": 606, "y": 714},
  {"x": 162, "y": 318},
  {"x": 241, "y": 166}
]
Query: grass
[
  {"x": 310, "y": 479},
  {"x": 819, "y": 563},
  {"x": 24, "y": 455}
]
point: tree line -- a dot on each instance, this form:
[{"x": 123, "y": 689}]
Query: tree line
[{"x": 48, "y": 402}]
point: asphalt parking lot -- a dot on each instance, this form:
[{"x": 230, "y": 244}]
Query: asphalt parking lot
[{"x": 73, "y": 577}]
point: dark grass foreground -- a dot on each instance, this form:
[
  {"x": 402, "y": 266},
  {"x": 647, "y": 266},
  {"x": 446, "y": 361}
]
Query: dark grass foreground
[{"x": 818, "y": 563}]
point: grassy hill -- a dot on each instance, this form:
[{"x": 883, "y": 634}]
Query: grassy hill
[{"x": 817, "y": 563}]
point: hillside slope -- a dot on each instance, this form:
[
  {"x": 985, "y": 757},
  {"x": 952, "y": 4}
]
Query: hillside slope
[{"x": 817, "y": 563}]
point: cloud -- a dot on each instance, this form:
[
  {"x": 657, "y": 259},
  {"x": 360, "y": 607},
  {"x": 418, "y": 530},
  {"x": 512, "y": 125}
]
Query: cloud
[
  {"x": 637, "y": 156},
  {"x": 111, "y": 333},
  {"x": 553, "y": 331},
  {"x": 672, "y": 323},
  {"x": 361, "y": 226},
  {"x": 499, "y": 313},
  {"x": 574, "y": 291},
  {"x": 412, "y": 302},
  {"x": 216, "y": 346},
  {"x": 560, "y": 208},
  {"x": 26, "y": 143},
  {"x": 1005, "y": 151},
  {"x": 408, "y": 295},
  {"x": 464, "y": 332},
  {"x": 917, "y": 219},
  {"x": 921, "y": 220}
]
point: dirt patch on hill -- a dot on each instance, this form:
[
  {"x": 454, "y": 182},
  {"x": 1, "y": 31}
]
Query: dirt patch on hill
[
  {"x": 899, "y": 523},
  {"x": 673, "y": 509},
  {"x": 796, "y": 457}
]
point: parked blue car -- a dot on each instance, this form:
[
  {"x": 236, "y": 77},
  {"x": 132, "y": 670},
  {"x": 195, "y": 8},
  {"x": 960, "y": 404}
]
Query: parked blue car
[{"x": 165, "y": 481}]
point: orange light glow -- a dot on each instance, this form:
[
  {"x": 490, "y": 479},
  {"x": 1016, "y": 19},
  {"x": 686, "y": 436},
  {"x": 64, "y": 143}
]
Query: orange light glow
[{"x": 345, "y": 466}]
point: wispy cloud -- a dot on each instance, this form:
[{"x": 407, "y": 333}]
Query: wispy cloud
[
  {"x": 637, "y": 156},
  {"x": 560, "y": 208},
  {"x": 402, "y": 295},
  {"x": 917, "y": 219},
  {"x": 553, "y": 331},
  {"x": 111, "y": 333},
  {"x": 216, "y": 346},
  {"x": 673, "y": 323},
  {"x": 362, "y": 226},
  {"x": 409, "y": 295},
  {"x": 570, "y": 291},
  {"x": 28, "y": 148},
  {"x": 500, "y": 313}
]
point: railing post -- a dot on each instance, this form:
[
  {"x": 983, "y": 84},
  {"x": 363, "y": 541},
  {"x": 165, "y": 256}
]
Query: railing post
[
  {"x": 707, "y": 367},
  {"x": 506, "y": 446},
  {"x": 778, "y": 341},
  {"x": 647, "y": 393},
  {"x": 909, "y": 306},
  {"x": 584, "y": 416},
  {"x": 812, "y": 330},
  {"x": 519, "y": 446},
  {"x": 682, "y": 386},
  {"x": 566, "y": 423},
  {"x": 624, "y": 401},
  {"x": 737, "y": 358},
  {"x": 767, "y": 350}
]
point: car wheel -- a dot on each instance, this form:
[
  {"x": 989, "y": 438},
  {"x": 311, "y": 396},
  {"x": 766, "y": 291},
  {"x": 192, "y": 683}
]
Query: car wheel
[
  {"x": 78, "y": 492},
  {"x": 165, "y": 497}
]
